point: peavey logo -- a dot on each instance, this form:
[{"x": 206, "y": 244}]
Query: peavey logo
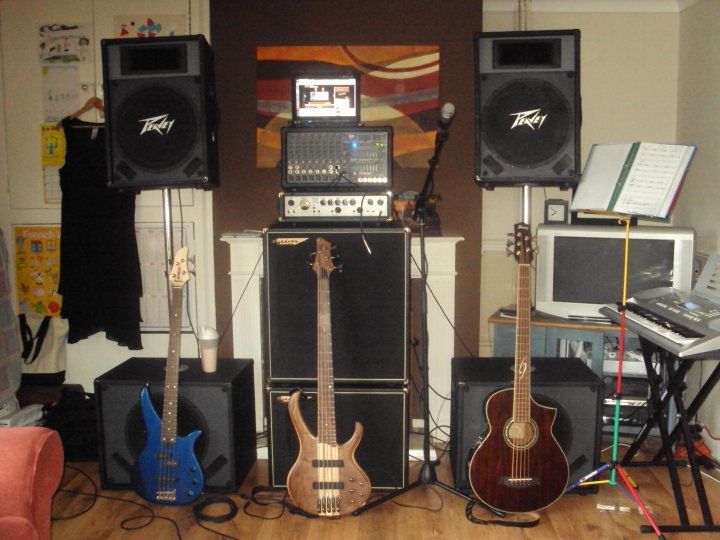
[
  {"x": 532, "y": 119},
  {"x": 161, "y": 124}
]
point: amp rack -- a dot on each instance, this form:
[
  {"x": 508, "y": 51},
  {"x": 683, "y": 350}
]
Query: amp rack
[
  {"x": 349, "y": 158},
  {"x": 335, "y": 206}
]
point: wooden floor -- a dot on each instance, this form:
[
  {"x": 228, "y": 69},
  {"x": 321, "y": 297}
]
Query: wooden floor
[{"x": 423, "y": 512}]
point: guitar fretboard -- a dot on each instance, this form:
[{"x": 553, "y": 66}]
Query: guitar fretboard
[
  {"x": 521, "y": 400},
  {"x": 172, "y": 368},
  {"x": 326, "y": 390}
]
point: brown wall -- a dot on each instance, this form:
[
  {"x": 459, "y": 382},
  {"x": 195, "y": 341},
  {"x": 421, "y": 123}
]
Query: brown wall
[{"x": 246, "y": 198}]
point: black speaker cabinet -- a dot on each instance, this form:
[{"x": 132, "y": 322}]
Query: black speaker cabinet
[
  {"x": 564, "y": 383},
  {"x": 369, "y": 304},
  {"x": 527, "y": 108},
  {"x": 161, "y": 112},
  {"x": 219, "y": 404},
  {"x": 383, "y": 449}
]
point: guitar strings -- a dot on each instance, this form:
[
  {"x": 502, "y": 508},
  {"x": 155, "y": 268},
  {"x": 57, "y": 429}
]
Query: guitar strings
[
  {"x": 521, "y": 393},
  {"x": 168, "y": 437}
]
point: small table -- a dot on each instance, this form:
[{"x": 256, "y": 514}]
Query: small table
[{"x": 547, "y": 330}]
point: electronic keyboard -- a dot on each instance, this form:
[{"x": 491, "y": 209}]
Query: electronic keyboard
[{"x": 684, "y": 324}]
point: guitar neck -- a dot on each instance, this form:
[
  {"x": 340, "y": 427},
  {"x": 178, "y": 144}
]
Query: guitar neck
[
  {"x": 521, "y": 401},
  {"x": 326, "y": 380},
  {"x": 172, "y": 368}
]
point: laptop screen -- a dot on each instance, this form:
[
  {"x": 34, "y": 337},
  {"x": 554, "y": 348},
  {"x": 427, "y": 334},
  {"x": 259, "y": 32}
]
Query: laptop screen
[{"x": 321, "y": 99}]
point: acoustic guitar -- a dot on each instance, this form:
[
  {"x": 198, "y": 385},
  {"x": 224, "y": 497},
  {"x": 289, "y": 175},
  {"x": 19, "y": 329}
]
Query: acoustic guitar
[
  {"x": 167, "y": 471},
  {"x": 325, "y": 480},
  {"x": 518, "y": 465}
]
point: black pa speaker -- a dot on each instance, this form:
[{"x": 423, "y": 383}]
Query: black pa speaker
[
  {"x": 383, "y": 449},
  {"x": 368, "y": 304},
  {"x": 527, "y": 108},
  {"x": 219, "y": 404},
  {"x": 566, "y": 384},
  {"x": 161, "y": 112}
]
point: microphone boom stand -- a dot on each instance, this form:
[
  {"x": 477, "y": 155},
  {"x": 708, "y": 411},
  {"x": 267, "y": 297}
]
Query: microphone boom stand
[{"x": 427, "y": 474}]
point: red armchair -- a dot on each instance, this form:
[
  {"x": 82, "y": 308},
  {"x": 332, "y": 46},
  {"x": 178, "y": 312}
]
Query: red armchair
[{"x": 31, "y": 467}]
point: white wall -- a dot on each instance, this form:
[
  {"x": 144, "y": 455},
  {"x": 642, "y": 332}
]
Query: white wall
[
  {"x": 698, "y": 121},
  {"x": 21, "y": 196}
]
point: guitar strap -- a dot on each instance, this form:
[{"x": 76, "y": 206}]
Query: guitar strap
[{"x": 532, "y": 518}]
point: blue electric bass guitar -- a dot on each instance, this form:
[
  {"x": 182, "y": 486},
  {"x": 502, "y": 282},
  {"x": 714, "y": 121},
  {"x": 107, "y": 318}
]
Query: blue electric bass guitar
[{"x": 167, "y": 471}]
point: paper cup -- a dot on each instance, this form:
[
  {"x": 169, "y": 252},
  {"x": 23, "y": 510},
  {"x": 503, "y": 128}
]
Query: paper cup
[{"x": 208, "y": 339}]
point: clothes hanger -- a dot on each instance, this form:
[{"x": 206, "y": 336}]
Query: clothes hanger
[{"x": 91, "y": 103}]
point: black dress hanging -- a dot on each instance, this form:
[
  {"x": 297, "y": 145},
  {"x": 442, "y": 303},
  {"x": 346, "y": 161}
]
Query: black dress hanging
[{"x": 100, "y": 279}]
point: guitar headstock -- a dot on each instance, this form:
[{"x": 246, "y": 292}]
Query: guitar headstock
[
  {"x": 522, "y": 244},
  {"x": 324, "y": 260},
  {"x": 179, "y": 272}
]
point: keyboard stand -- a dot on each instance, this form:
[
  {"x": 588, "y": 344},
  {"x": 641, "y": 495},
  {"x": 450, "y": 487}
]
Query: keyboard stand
[{"x": 658, "y": 406}]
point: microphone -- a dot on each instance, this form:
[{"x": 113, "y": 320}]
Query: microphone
[{"x": 446, "y": 115}]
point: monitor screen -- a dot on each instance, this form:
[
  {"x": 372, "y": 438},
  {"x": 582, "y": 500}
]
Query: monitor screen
[
  {"x": 332, "y": 99},
  {"x": 580, "y": 268},
  {"x": 650, "y": 265}
]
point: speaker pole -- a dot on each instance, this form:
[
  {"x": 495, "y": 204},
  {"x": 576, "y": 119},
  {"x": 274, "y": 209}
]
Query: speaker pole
[
  {"x": 169, "y": 248},
  {"x": 427, "y": 474},
  {"x": 526, "y": 203}
]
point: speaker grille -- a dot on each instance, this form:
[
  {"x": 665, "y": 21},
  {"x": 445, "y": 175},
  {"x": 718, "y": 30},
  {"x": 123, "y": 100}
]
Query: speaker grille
[
  {"x": 527, "y": 122},
  {"x": 156, "y": 127},
  {"x": 383, "y": 449},
  {"x": 369, "y": 304}
]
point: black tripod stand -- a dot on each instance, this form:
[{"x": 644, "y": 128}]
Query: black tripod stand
[{"x": 427, "y": 474}]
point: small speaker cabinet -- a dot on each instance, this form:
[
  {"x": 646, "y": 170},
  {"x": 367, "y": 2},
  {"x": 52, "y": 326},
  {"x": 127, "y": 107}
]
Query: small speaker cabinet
[
  {"x": 563, "y": 383},
  {"x": 383, "y": 449},
  {"x": 219, "y": 404}
]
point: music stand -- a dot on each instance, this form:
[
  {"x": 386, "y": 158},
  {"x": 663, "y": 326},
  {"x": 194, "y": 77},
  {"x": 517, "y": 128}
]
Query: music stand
[{"x": 613, "y": 465}]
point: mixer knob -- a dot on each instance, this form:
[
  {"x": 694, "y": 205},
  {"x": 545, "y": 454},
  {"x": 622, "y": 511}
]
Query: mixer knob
[{"x": 304, "y": 204}]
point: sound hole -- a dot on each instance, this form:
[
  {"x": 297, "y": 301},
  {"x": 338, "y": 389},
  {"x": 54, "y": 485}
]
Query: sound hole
[
  {"x": 156, "y": 127},
  {"x": 527, "y": 122},
  {"x": 189, "y": 419}
]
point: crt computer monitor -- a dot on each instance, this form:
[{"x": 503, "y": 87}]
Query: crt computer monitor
[{"x": 580, "y": 267}]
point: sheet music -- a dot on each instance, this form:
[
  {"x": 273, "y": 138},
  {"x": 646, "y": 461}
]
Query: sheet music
[
  {"x": 650, "y": 186},
  {"x": 602, "y": 170}
]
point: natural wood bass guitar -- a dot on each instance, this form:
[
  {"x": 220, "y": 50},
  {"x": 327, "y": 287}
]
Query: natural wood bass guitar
[
  {"x": 517, "y": 465},
  {"x": 325, "y": 480},
  {"x": 167, "y": 471}
]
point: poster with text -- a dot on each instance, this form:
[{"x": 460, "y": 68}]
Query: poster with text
[{"x": 37, "y": 268}]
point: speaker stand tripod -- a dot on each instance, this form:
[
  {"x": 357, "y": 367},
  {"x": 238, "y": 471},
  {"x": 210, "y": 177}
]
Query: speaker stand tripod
[{"x": 427, "y": 474}]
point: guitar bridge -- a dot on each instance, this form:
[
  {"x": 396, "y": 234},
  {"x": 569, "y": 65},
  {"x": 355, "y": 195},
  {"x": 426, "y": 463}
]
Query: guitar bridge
[
  {"x": 328, "y": 506},
  {"x": 165, "y": 495},
  {"x": 519, "y": 482}
]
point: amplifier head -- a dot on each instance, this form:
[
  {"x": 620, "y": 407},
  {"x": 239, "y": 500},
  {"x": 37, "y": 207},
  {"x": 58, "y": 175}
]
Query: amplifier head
[{"x": 351, "y": 158}]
